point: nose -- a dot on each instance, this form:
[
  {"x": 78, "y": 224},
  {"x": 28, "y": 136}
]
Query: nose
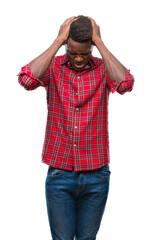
[{"x": 78, "y": 58}]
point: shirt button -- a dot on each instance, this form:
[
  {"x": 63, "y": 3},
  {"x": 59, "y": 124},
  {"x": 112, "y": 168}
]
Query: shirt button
[
  {"x": 76, "y": 93},
  {"x": 75, "y": 126},
  {"x": 74, "y": 145},
  {"x": 77, "y": 109},
  {"x": 78, "y": 78}
]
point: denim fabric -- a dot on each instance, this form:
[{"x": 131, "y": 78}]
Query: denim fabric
[{"x": 76, "y": 202}]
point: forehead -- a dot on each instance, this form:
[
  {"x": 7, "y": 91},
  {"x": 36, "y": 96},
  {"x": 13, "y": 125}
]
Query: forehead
[{"x": 78, "y": 47}]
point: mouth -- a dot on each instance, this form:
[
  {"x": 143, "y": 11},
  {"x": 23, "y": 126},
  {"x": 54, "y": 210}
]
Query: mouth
[{"x": 79, "y": 66}]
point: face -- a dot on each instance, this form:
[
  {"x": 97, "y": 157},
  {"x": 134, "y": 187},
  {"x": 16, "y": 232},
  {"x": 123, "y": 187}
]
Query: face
[{"x": 78, "y": 53}]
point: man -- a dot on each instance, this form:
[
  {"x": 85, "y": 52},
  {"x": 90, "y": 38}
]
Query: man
[{"x": 76, "y": 145}]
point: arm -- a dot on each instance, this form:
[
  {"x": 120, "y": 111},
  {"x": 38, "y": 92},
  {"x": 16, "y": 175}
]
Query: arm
[
  {"x": 40, "y": 64},
  {"x": 115, "y": 69},
  {"x": 37, "y": 72}
]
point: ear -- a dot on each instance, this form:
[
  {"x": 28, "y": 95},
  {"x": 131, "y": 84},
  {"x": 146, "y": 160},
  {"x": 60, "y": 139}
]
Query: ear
[
  {"x": 66, "y": 47},
  {"x": 91, "y": 50},
  {"x": 67, "y": 40}
]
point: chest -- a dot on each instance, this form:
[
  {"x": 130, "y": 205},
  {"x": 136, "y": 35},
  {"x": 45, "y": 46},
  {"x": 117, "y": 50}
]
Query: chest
[{"x": 78, "y": 88}]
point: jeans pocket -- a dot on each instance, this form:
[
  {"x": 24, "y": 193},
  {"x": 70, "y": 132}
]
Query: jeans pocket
[
  {"x": 103, "y": 172},
  {"x": 54, "y": 172}
]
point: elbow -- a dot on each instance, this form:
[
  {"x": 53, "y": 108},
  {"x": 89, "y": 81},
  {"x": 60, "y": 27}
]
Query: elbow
[
  {"x": 27, "y": 83},
  {"x": 28, "y": 88},
  {"x": 126, "y": 87},
  {"x": 24, "y": 85}
]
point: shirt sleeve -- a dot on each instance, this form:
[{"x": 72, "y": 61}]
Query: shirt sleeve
[
  {"x": 29, "y": 81},
  {"x": 126, "y": 85}
]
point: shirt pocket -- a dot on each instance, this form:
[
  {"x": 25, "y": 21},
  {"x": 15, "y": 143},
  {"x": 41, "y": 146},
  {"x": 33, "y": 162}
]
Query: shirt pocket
[
  {"x": 103, "y": 172},
  {"x": 54, "y": 172}
]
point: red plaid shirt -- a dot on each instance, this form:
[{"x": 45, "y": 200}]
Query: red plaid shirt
[{"x": 77, "y": 125}]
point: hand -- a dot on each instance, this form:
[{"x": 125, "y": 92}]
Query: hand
[
  {"x": 64, "y": 29},
  {"x": 96, "y": 35}
]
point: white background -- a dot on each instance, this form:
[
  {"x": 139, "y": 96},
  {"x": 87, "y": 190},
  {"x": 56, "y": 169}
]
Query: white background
[{"x": 27, "y": 29}]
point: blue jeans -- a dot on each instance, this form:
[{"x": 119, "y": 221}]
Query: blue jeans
[{"x": 76, "y": 202}]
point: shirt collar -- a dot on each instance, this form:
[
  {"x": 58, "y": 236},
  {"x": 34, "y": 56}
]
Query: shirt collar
[{"x": 93, "y": 61}]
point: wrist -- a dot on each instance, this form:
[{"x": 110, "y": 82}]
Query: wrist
[
  {"x": 59, "y": 41},
  {"x": 97, "y": 41}
]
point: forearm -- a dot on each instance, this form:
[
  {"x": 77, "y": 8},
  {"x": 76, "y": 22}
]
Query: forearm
[
  {"x": 40, "y": 64},
  {"x": 114, "y": 68}
]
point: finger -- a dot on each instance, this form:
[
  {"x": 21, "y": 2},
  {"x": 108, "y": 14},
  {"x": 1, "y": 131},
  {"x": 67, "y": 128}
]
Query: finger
[
  {"x": 91, "y": 19},
  {"x": 70, "y": 19}
]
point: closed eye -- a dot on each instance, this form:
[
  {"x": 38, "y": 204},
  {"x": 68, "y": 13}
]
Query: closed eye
[
  {"x": 72, "y": 53},
  {"x": 82, "y": 54}
]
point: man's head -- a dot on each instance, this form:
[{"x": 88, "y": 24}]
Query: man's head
[
  {"x": 81, "y": 30},
  {"x": 79, "y": 43}
]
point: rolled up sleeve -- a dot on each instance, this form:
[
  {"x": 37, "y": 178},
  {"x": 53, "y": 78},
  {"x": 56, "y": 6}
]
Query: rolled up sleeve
[
  {"x": 29, "y": 81},
  {"x": 126, "y": 85}
]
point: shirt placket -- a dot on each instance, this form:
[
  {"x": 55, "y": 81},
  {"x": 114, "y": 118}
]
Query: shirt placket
[{"x": 76, "y": 127}]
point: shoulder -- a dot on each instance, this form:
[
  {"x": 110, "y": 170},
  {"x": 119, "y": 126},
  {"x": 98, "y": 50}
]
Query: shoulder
[
  {"x": 98, "y": 62},
  {"x": 58, "y": 60}
]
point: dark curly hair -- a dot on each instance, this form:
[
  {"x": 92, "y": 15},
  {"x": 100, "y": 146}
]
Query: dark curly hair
[{"x": 81, "y": 29}]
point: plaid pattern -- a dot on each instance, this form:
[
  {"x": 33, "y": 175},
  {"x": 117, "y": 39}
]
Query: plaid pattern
[{"x": 77, "y": 124}]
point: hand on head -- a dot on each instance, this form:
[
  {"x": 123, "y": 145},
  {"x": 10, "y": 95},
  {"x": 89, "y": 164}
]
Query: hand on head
[
  {"x": 64, "y": 29},
  {"x": 96, "y": 31}
]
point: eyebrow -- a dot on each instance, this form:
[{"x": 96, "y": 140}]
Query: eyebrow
[{"x": 73, "y": 53}]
